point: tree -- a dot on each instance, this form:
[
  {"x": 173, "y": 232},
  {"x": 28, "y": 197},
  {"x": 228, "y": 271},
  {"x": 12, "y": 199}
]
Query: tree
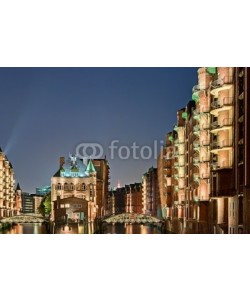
[{"x": 45, "y": 206}]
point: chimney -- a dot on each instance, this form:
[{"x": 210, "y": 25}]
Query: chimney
[{"x": 62, "y": 161}]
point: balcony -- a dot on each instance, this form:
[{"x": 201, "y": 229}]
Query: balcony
[
  {"x": 196, "y": 88},
  {"x": 220, "y": 125},
  {"x": 241, "y": 96},
  {"x": 220, "y": 105},
  {"x": 196, "y": 177},
  {"x": 221, "y": 84},
  {"x": 196, "y": 161},
  {"x": 221, "y": 145},
  {"x": 196, "y": 129},
  {"x": 196, "y": 114},
  {"x": 196, "y": 145},
  {"x": 216, "y": 166}
]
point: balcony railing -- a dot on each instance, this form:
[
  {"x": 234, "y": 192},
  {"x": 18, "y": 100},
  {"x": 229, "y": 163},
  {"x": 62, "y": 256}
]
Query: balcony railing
[
  {"x": 223, "y": 123},
  {"x": 222, "y": 144},
  {"x": 196, "y": 144},
  {"x": 220, "y": 82},
  {"x": 196, "y": 176},
  {"x": 196, "y": 88},
  {"x": 219, "y": 103},
  {"x": 196, "y": 128},
  {"x": 196, "y": 161},
  {"x": 217, "y": 166}
]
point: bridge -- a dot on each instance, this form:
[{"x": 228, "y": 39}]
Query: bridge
[
  {"x": 130, "y": 218},
  {"x": 23, "y": 219}
]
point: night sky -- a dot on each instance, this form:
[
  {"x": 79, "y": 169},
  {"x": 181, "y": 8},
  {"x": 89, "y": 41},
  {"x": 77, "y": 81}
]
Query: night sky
[{"x": 47, "y": 112}]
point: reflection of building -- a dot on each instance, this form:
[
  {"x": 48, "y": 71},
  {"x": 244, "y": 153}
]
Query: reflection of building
[
  {"x": 42, "y": 191},
  {"x": 209, "y": 174},
  {"x": 74, "y": 209},
  {"x": 8, "y": 205},
  {"x": 85, "y": 180},
  {"x": 150, "y": 192}
]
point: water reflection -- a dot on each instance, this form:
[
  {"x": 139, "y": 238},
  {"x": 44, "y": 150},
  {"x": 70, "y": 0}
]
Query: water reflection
[
  {"x": 131, "y": 229},
  {"x": 26, "y": 229}
]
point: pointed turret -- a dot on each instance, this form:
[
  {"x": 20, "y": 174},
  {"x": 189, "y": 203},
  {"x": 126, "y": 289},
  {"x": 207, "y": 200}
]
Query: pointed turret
[
  {"x": 90, "y": 168},
  {"x": 18, "y": 187}
]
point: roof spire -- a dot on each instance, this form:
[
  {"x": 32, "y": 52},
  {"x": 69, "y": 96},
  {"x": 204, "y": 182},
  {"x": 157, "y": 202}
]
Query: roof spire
[
  {"x": 90, "y": 168},
  {"x": 18, "y": 187}
]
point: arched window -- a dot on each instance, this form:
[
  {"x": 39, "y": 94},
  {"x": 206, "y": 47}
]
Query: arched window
[
  {"x": 59, "y": 187},
  {"x": 66, "y": 187},
  {"x": 84, "y": 187},
  {"x": 72, "y": 187}
]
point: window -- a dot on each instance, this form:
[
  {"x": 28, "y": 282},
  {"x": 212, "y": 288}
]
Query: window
[
  {"x": 61, "y": 205},
  {"x": 84, "y": 187},
  {"x": 59, "y": 187},
  {"x": 67, "y": 206},
  {"x": 72, "y": 187},
  {"x": 79, "y": 205}
]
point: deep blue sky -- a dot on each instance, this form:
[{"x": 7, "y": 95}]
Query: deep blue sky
[{"x": 46, "y": 112}]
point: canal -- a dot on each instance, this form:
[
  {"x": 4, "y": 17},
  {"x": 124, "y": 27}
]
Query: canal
[
  {"x": 80, "y": 229},
  {"x": 26, "y": 229},
  {"x": 131, "y": 229}
]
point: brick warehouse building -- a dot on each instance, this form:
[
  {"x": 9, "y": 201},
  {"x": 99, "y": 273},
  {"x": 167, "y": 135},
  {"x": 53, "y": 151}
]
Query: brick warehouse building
[{"x": 207, "y": 177}]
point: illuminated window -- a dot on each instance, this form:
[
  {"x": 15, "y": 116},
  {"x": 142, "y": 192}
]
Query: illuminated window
[
  {"x": 67, "y": 206},
  {"x": 62, "y": 206}
]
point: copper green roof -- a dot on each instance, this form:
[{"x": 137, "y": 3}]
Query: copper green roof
[
  {"x": 90, "y": 167},
  {"x": 171, "y": 138},
  {"x": 195, "y": 97},
  {"x": 184, "y": 115},
  {"x": 212, "y": 70},
  {"x": 74, "y": 169}
]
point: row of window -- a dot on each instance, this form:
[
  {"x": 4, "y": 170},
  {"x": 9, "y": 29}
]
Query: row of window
[
  {"x": 68, "y": 206},
  {"x": 72, "y": 187}
]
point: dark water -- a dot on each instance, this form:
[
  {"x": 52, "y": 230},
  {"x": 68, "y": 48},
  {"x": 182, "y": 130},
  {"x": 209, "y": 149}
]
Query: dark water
[
  {"x": 26, "y": 229},
  {"x": 131, "y": 229},
  {"x": 80, "y": 229}
]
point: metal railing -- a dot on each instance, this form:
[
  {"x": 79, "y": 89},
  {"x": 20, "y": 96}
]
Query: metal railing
[
  {"x": 196, "y": 88},
  {"x": 196, "y": 128},
  {"x": 222, "y": 123},
  {"x": 220, "y": 82},
  {"x": 222, "y": 144},
  {"x": 219, "y": 103}
]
